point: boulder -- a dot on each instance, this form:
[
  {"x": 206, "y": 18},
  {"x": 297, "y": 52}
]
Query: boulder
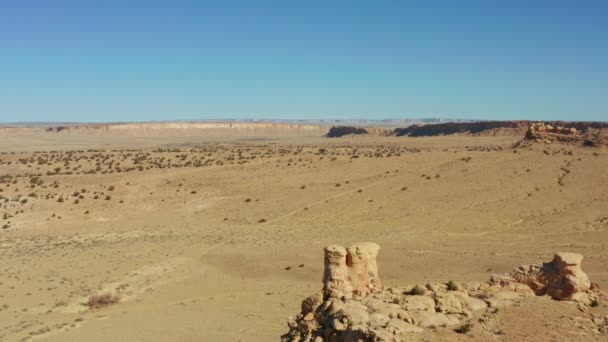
[
  {"x": 562, "y": 278},
  {"x": 448, "y": 303},
  {"x": 430, "y": 319},
  {"x": 565, "y": 276},
  {"x": 399, "y": 326},
  {"x": 419, "y": 303}
]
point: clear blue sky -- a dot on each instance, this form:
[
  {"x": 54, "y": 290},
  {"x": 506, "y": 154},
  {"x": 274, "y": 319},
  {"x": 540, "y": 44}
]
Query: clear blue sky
[{"x": 158, "y": 60}]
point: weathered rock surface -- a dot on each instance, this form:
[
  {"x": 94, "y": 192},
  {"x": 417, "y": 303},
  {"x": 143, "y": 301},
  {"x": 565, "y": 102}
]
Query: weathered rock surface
[
  {"x": 546, "y": 133},
  {"x": 351, "y": 271},
  {"x": 562, "y": 278},
  {"x": 353, "y": 306}
]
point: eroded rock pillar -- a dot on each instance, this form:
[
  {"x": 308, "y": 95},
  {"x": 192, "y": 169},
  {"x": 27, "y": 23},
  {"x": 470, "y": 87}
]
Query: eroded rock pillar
[
  {"x": 335, "y": 277},
  {"x": 363, "y": 269},
  {"x": 351, "y": 271}
]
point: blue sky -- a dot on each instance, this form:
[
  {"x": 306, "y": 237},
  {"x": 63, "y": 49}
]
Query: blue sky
[{"x": 161, "y": 60}]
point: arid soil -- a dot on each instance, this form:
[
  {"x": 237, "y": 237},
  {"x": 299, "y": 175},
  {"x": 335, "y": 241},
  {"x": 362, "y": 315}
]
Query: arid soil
[{"x": 169, "y": 238}]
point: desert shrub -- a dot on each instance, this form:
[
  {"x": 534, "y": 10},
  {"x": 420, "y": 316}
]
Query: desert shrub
[
  {"x": 100, "y": 300},
  {"x": 417, "y": 291},
  {"x": 452, "y": 286},
  {"x": 463, "y": 329}
]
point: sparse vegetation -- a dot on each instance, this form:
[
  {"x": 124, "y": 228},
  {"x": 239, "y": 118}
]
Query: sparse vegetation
[
  {"x": 452, "y": 286},
  {"x": 417, "y": 291},
  {"x": 100, "y": 300},
  {"x": 464, "y": 329}
]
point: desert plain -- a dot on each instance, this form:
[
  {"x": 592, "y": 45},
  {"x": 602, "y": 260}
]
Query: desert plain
[{"x": 219, "y": 238}]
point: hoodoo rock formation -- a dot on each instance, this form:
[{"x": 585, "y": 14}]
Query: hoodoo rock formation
[
  {"x": 354, "y": 307},
  {"x": 351, "y": 272}
]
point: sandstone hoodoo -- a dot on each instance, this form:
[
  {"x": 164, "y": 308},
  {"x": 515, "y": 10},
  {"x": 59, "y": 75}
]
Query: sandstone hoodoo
[
  {"x": 353, "y": 306},
  {"x": 351, "y": 272}
]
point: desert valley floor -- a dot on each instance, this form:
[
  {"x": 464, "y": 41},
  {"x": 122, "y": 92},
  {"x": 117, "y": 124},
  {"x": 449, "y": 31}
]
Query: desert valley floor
[{"x": 221, "y": 240}]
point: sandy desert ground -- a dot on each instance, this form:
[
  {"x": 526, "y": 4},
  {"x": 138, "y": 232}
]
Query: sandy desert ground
[{"x": 220, "y": 240}]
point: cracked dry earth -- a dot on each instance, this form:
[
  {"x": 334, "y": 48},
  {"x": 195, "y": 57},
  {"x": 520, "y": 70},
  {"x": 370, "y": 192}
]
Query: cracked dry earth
[{"x": 224, "y": 248}]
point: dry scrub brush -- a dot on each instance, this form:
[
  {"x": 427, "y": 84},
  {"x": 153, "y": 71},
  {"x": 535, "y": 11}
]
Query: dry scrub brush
[{"x": 100, "y": 300}]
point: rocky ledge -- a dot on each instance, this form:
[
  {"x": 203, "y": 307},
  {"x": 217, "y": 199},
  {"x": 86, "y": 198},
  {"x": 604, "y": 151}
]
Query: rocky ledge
[
  {"x": 353, "y": 306},
  {"x": 546, "y": 133}
]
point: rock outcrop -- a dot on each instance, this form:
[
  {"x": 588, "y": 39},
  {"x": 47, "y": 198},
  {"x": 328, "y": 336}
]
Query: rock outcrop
[
  {"x": 351, "y": 272},
  {"x": 562, "y": 278},
  {"x": 353, "y": 306},
  {"x": 546, "y": 133},
  {"x": 340, "y": 131},
  {"x": 464, "y": 128},
  {"x": 587, "y": 136}
]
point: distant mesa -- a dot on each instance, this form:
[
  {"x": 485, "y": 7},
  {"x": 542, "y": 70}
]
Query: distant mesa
[
  {"x": 585, "y": 133},
  {"x": 56, "y": 129},
  {"x": 168, "y": 129},
  {"x": 340, "y": 131},
  {"x": 464, "y": 128}
]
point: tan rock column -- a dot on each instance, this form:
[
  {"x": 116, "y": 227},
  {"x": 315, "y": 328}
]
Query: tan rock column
[
  {"x": 363, "y": 269},
  {"x": 335, "y": 277}
]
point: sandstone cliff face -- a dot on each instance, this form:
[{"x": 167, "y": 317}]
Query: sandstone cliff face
[
  {"x": 482, "y": 128},
  {"x": 353, "y": 306},
  {"x": 492, "y": 128},
  {"x": 479, "y": 128},
  {"x": 340, "y": 131},
  {"x": 213, "y": 129},
  {"x": 586, "y": 136}
]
